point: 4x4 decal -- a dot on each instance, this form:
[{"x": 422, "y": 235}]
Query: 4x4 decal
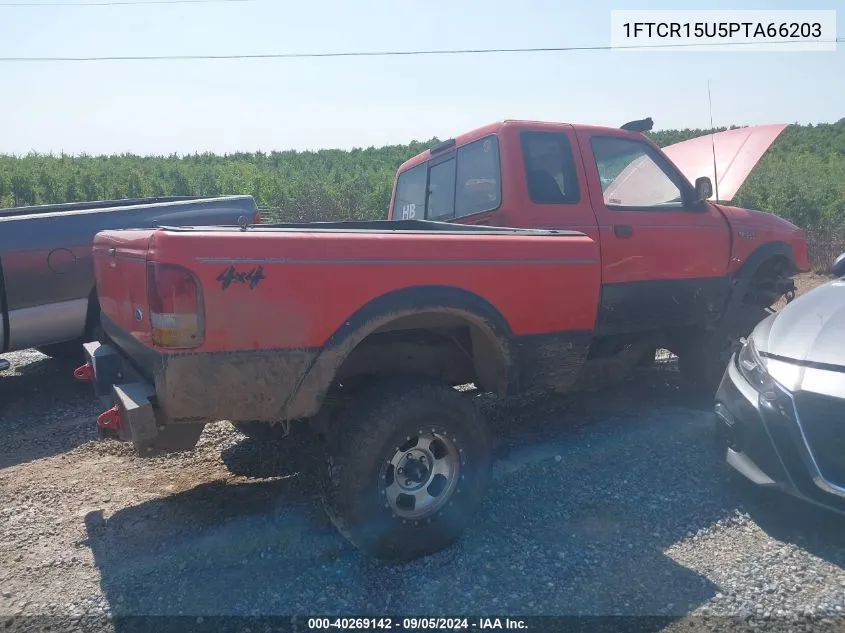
[{"x": 252, "y": 277}]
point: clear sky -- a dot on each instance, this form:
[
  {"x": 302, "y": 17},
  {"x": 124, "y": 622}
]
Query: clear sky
[{"x": 159, "y": 107}]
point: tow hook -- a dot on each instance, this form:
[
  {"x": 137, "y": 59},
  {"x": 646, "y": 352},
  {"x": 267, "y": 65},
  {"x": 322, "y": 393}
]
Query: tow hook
[
  {"x": 84, "y": 372},
  {"x": 109, "y": 419}
]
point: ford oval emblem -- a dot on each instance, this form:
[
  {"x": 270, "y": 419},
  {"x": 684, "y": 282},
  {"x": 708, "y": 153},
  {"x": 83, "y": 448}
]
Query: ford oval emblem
[{"x": 139, "y": 314}]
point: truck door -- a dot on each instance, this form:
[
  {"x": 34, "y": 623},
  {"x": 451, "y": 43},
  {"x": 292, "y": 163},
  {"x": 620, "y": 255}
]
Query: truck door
[{"x": 664, "y": 255}]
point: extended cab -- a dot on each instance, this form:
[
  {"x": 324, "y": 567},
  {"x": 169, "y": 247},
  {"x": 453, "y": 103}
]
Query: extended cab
[
  {"x": 365, "y": 329},
  {"x": 677, "y": 271}
]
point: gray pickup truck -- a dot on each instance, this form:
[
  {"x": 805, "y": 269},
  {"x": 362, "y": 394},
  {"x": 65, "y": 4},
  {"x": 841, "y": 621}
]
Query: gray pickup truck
[{"x": 47, "y": 295}]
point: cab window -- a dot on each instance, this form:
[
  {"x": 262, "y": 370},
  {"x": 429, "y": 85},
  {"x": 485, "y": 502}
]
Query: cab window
[
  {"x": 478, "y": 183},
  {"x": 441, "y": 191},
  {"x": 465, "y": 183},
  {"x": 633, "y": 175},
  {"x": 409, "y": 201},
  {"x": 549, "y": 168}
]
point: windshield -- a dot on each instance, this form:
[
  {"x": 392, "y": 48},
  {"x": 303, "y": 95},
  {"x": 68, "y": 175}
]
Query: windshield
[{"x": 631, "y": 176}]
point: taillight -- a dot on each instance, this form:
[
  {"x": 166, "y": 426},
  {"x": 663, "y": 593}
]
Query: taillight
[
  {"x": 257, "y": 218},
  {"x": 175, "y": 301}
]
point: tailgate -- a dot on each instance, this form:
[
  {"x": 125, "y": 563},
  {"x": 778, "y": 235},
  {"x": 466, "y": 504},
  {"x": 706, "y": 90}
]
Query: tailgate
[{"x": 120, "y": 273}]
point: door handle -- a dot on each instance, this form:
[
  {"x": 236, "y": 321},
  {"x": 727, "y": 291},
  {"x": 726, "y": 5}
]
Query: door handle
[{"x": 623, "y": 230}]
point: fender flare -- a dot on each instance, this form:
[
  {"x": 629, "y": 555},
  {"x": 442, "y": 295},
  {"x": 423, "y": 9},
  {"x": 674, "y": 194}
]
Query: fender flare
[{"x": 391, "y": 306}]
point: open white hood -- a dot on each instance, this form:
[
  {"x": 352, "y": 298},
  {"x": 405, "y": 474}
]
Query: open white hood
[{"x": 737, "y": 153}]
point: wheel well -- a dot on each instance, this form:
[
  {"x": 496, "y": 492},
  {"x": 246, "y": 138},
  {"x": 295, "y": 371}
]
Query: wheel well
[
  {"x": 769, "y": 281},
  {"x": 452, "y": 348},
  {"x": 776, "y": 264}
]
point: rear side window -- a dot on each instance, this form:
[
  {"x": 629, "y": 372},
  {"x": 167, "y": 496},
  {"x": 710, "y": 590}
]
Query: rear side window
[
  {"x": 465, "y": 183},
  {"x": 478, "y": 183},
  {"x": 549, "y": 168},
  {"x": 410, "y": 194},
  {"x": 441, "y": 191}
]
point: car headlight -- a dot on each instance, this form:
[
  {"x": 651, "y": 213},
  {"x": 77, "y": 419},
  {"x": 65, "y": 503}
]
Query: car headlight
[{"x": 753, "y": 368}]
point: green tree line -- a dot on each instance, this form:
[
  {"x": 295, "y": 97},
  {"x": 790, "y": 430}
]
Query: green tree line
[{"x": 801, "y": 177}]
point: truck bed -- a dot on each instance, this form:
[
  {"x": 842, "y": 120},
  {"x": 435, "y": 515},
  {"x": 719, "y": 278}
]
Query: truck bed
[
  {"x": 285, "y": 304},
  {"x": 384, "y": 226}
]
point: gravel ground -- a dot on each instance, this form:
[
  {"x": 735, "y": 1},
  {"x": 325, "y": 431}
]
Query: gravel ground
[{"x": 610, "y": 503}]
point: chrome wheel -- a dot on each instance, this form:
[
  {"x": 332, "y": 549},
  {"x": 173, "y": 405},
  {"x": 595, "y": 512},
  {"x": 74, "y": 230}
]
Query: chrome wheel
[
  {"x": 420, "y": 476},
  {"x": 401, "y": 486}
]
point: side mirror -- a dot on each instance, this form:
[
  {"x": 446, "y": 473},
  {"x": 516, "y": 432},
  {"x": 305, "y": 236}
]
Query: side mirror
[
  {"x": 703, "y": 188},
  {"x": 838, "y": 268}
]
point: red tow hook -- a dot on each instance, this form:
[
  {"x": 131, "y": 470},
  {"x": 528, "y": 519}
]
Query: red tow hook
[
  {"x": 85, "y": 372},
  {"x": 109, "y": 419}
]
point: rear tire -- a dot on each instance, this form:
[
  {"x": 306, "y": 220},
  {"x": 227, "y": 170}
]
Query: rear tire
[{"x": 439, "y": 443}]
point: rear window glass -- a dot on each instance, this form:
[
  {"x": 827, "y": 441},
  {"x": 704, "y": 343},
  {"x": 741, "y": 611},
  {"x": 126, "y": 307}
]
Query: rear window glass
[
  {"x": 410, "y": 194},
  {"x": 441, "y": 191},
  {"x": 478, "y": 183},
  {"x": 465, "y": 183}
]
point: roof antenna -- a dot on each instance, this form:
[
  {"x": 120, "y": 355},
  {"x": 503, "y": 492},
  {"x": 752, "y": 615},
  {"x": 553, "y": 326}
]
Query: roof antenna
[{"x": 713, "y": 143}]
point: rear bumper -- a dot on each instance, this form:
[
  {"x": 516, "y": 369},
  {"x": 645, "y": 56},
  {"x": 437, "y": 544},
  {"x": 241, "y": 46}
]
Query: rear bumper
[
  {"x": 202, "y": 386},
  {"x": 120, "y": 388},
  {"x": 133, "y": 412}
]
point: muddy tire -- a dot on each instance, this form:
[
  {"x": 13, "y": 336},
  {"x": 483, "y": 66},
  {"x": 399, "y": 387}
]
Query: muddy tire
[
  {"x": 704, "y": 356},
  {"x": 407, "y": 469}
]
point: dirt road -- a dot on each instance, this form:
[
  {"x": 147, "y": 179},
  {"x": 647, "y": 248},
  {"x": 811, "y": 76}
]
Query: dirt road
[{"x": 611, "y": 503}]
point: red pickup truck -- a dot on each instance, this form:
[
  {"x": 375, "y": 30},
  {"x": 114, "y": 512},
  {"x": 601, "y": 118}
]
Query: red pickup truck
[{"x": 365, "y": 329}]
